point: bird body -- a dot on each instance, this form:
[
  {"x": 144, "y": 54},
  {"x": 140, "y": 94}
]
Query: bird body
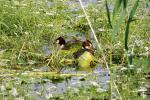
[
  {"x": 85, "y": 60},
  {"x": 85, "y": 56},
  {"x": 68, "y": 46}
]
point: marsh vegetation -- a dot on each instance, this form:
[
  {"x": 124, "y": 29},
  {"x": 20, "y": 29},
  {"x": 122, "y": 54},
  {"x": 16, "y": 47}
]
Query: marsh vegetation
[{"x": 32, "y": 66}]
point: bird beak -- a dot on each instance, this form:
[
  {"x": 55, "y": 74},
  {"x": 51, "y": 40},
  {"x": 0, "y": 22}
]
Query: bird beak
[
  {"x": 57, "y": 41},
  {"x": 87, "y": 47}
]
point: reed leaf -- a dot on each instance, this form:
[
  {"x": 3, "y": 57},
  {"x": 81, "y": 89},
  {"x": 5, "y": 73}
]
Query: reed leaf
[
  {"x": 108, "y": 14},
  {"x": 128, "y": 23},
  {"x": 126, "y": 35},
  {"x": 133, "y": 10},
  {"x": 118, "y": 24},
  {"x": 125, "y": 4},
  {"x": 117, "y": 6}
]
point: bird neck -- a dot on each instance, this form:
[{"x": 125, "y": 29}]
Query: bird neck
[{"x": 90, "y": 50}]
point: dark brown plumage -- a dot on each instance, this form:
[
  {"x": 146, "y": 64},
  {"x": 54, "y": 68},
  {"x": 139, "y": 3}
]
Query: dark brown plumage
[
  {"x": 60, "y": 41},
  {"x": 87, "y": 46},
  {"x": 67, "y": 44}
]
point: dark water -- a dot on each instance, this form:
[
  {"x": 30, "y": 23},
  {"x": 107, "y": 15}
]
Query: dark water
[
  {"x": 99, "y": 77},
  {"x": 41, "y": 88},
  {"x": 70, "y": 2}
]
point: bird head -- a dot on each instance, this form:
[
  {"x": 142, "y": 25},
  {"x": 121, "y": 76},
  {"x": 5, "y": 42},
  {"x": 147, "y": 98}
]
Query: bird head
[
  {"x": 61, "y": 41},
  {"x": 87, "y": 44}
]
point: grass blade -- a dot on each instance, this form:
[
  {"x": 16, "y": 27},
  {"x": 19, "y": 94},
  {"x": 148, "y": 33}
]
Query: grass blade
[{"x": 3, "y": 24}]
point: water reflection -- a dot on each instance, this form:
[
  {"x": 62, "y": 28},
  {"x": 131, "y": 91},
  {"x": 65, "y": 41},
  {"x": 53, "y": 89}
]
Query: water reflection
[
  {"x": 99, "y": 76},
  {"x": 50, "y": 3}
]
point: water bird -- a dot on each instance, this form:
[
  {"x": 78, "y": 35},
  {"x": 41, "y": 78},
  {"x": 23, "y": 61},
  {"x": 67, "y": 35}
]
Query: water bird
[
  {"x": 85, "y": 56},
  {"x": 66, "y": 44}
]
